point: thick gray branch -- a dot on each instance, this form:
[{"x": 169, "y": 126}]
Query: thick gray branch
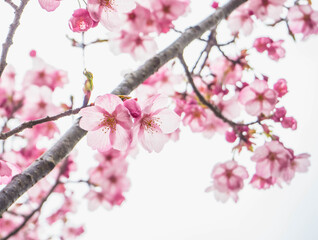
[{"x": 42, "y": 166}]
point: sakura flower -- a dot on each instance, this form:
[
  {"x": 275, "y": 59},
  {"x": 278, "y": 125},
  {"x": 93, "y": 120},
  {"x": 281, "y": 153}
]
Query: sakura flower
[
  {"x": 258, "y": 98},
  {"x": 264, "y": 9},
  {"x": 81, "y": 21},
  {"x": 303, "y": 19},
  {"x": 195, "y": 117},
  {"x": 240, "y": 20},
  {"x": 43, "y": 74},
  {"x": 140, "y": 46},
  {"x": 155, "y": 123},
  {"x": 108, "y": 12},
  {"x": 49, "y": 5},
  {"x": 142, "y": 20},
  {"x": 169, "y": 9},
  {"x": 271, "y": 158},
  {"x": 108, "y": 124},
  {"x": 281, "y": 87},
  {"x": 274, "y": 49},
  {"x": 227, "y": 180},
  {"x": 38, "y": 103},
  {"x": 289, "y": 122}
]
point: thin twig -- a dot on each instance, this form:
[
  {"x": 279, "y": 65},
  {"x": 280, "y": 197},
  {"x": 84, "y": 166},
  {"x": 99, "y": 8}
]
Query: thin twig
[
  {"x": 13, "y": 27},
  {"x": 32, "y": 123},
  {"x": 206, "y": 50}
]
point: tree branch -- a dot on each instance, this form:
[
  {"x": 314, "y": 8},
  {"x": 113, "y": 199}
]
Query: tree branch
[
  {"x": 32, "y": 123},
  {"x": 42, "y": 166},
  {"x": 16, "y": 21}
]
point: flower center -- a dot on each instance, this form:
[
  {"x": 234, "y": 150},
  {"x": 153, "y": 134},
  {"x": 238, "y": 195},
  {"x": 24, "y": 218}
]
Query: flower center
[
  {"x": 108, "y": 122},
  {"x": 151, "y": 124},
  {"x": 107, "y": 3}
]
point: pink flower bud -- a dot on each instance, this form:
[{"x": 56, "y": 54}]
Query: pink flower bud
[
  {"x": 281, "y": 87},
  {"x": 230, "y": 136},
  {"x": 289, "y": 122},
  {"x": 81, "y": 21},
  {"x": 133, "y": 107}
]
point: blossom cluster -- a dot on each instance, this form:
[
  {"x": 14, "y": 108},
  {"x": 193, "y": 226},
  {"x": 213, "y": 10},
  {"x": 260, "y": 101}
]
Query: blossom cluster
[
  {"x": 301, "y": 18},
  {"x": 32, "y": 102}
]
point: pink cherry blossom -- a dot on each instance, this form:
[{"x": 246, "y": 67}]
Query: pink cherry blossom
[
  {"x": 279, "y": 114},
  {"x": 303, "y": 19},
  {"x": 227, "y": 180},
  {"x": 241, "y": 20},
  {"x": 264, "y": 9},
  {"x": 271, "y": 158},
  {"x": 281, "y": 87},
  {"x": 142, "y": 20},
  {"x": 156, "y": 121},
  {"x": 38, "y": 103},
  {"x": 81, "y": 21},
  {"x": 258, "y": 98},
  {"x": 108, "y": 124},
  {"x": 289, "y": 122},
  {"x": 274, "y": 49},
  {"x": 195, "y": 116},
  {"x": 109, "y": 12},
  {"x": 49, "y": 5},
  {"x": 140, "y": 46},
  {"x": 166, "y": 11},
  {"x": 43, "y": 74}
]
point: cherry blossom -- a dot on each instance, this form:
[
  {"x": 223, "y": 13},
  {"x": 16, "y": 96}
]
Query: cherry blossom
[
  {"x": 264, "y": 9},
  {"x": 274, "y": 49},
  {"x": 140, "y": 46},
  {"x": 108, "y": 124},
  {"x": 258, "y": 98},
  {"x": 228, "y": 180},
  {"x": 155, "y": 123},
  {"x": 38, "y": 103},
  {"x": 271, "y": 159},
  {"x": 109, "y": 12},
  {"x": 240, "y": 20},
  {"x": 303, "y": 19},
  {"x": 281, "y": 87},
  {"x": 81, "y": 21}
]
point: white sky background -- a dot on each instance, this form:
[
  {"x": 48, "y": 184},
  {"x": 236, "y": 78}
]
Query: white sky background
[{"x": 167, "y": 198}]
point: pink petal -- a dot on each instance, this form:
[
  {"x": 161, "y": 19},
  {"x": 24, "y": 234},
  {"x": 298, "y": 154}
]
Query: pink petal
[
  {"x": 121, "y": 138},
  {"x": 153, "y": 141},
  {"x": 109, "y": 102},
  {"x": 253, "y": 107},
  {"x": 49, "y": 5},
  {"x": 99, "y": 139},
  {"x": 246, "y": 95},
  {"x": 91, "y": 118},
  {"x": 169, "y": 120}
]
